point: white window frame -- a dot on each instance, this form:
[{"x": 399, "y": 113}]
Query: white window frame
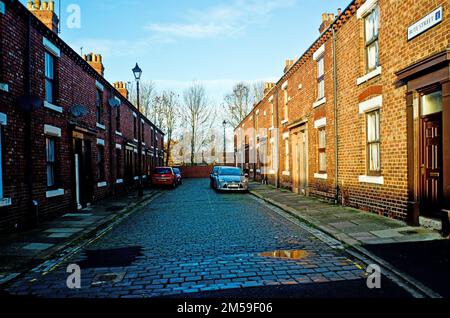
[{"x": 365, "y": 107}]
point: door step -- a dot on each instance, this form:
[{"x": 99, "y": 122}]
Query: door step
[{"x": 429, "y": 223}]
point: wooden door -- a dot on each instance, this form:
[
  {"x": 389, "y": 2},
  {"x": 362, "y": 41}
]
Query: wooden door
[{"x": 431, "y": 164}]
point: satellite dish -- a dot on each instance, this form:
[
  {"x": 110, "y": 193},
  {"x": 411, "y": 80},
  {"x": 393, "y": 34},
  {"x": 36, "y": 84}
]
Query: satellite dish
[
  {"x": 78, "y": 111},
  {"x": 113, "y": 102},
  {"x": 29, "y": 103}
]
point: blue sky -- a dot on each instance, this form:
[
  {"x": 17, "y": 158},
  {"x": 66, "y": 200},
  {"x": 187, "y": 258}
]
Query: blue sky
[{"x": 214, "y": 42}]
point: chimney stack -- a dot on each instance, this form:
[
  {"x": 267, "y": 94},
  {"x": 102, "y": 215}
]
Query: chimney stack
[
  {"x": 288, "y": 64},
  {"x": 267, "y": 87},
  {"x": 45, "y": 11},
  {"x": 122, "y": 88},
  {"x": 95, "y": 60},
  {"x": 327, "y": 20}
]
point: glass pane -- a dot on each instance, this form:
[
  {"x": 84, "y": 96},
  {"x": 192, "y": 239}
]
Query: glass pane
[
  {"x": 322, "y": 161},
  {"x": 375, "y": 22},
  {"x": 374, "y": 157},
  {"x": 320, "y": 67},
  {"x": 368, "y": 22},
  {"x": 48, "y": 66},
  {"x": 322, "y": 138},
  {"x": 48, "y": 90},
  {"x": 432, "y": 103},
  {"x": 372, "y": 56},
  {"x": 321, "y": 90},
  {"x": 50, "y": 150},
  {"x": 373, "y": 127},
  {"x": 50, "y": 175}
]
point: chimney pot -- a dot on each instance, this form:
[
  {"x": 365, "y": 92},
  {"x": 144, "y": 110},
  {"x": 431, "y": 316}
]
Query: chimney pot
[
  {"x": 331, "y": 17},
  {"x": 44, "y": 11},
  {"x": 95, "y": 61},
  {"x": 339, "y": 11},
  {"x": 324, "y": 17}
]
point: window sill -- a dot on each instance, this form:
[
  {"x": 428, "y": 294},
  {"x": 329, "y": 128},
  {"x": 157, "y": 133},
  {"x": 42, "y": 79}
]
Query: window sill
[
  {"x": 135, "y": 140},
  {"x": 369, "y": 76},
  {"x": 5, "y": 202},
  {"x": 118, "y": 133},
  {"x": 286, "y": 173},
  {"x": 322, "y": 176},
  {"x": 55, "y": 108},
  {"x": 321, "y": 101},
  {"x": 4, "y": 87},
  {"x": 284, "y": 122},
  {"x": 371, "y": 179},
  {"x": 119, "y": 181},
  {"x": 101, "y": 126},
  {"x": 102, "y": 184},
  {"x": 54, "y": 193}
]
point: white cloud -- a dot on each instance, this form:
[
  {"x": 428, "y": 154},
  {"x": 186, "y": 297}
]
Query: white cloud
[{"x": 221, "y": 20}]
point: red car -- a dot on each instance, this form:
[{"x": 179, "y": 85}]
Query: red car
[{"x": 164, "y": 176}]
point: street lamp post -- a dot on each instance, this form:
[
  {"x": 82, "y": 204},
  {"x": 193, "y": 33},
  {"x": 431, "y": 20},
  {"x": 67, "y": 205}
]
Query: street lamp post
[
  {"x": 224, "y": 142},
  {"x": 137, "y": 75}
]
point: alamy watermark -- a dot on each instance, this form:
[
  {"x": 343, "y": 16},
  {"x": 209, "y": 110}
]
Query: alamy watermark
[
  {"x": 74, "y": 279},
  {"x": 374, "y": 277}
]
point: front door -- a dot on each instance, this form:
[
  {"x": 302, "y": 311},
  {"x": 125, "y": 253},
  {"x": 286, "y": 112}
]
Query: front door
[
  {"x": 431, "y": 155},
  {"x": 300, "y": 162},
  {"x": 83, "y": 172}
]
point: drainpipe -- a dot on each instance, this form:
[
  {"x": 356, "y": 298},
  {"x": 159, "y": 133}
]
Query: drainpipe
[
  {"x": 33, "y": 204},
  {"x": 336, "y": 155},
  {"x": 112, "y": 148},
  {"x": 277, "y": 179}
]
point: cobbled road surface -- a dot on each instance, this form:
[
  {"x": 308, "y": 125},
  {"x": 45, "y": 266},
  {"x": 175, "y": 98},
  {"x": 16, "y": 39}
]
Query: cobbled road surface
[{"x": 193, "y": 241}]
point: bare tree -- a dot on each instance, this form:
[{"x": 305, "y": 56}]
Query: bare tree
[
  {"x": 257, "y": 92},
  {"x": 170, "y": 113},
  {"x": 238, "y": 103},
  {"x": 197, "y": 116},
  {"x": 146, "y": 93}
]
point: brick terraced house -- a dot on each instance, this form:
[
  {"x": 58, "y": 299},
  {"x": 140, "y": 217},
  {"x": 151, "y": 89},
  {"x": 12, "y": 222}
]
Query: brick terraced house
[
  {"x": 68, "y": 137},
  {"x": 362, "y": 118}
]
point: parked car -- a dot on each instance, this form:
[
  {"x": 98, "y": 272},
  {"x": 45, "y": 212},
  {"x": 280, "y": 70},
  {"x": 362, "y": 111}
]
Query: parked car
[
  {"x": 164, "y": 176},
  {"x": 230, "y": 179},
  {"x": 213, "y": 173},
  {"x": 177, "y": 172}
]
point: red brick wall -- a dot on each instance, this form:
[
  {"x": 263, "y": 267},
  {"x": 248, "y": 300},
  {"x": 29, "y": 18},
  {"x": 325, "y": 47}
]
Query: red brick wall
[
  {"x": 76, "y": 86},
  {"x": 396, "y": 53}
]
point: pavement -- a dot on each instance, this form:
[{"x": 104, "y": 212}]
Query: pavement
[
  {"x": 348, "y": 225},
  {"x": 420, "y": 256},
  {"x": 23, "y": 251},
  {"x": 193, "y": 241}
]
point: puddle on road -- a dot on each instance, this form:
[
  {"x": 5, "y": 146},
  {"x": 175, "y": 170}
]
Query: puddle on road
[{"x": 286, "y": 254}]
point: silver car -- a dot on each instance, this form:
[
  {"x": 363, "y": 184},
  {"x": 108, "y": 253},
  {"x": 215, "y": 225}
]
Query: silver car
[{"x": 230, "y": 179}]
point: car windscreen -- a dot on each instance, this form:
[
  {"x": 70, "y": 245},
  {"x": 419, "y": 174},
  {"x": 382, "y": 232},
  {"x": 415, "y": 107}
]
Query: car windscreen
[
  {"x": 230, "y": 172},
  {"x": 176, "y": 170},
  {"x": 162, "y": 171}
]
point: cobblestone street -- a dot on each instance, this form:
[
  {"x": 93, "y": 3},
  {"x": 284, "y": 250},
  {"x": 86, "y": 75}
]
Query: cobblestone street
[{"x": 194, "y": 240}]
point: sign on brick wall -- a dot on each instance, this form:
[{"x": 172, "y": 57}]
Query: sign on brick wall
[{"x": 425, "y": 23}]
